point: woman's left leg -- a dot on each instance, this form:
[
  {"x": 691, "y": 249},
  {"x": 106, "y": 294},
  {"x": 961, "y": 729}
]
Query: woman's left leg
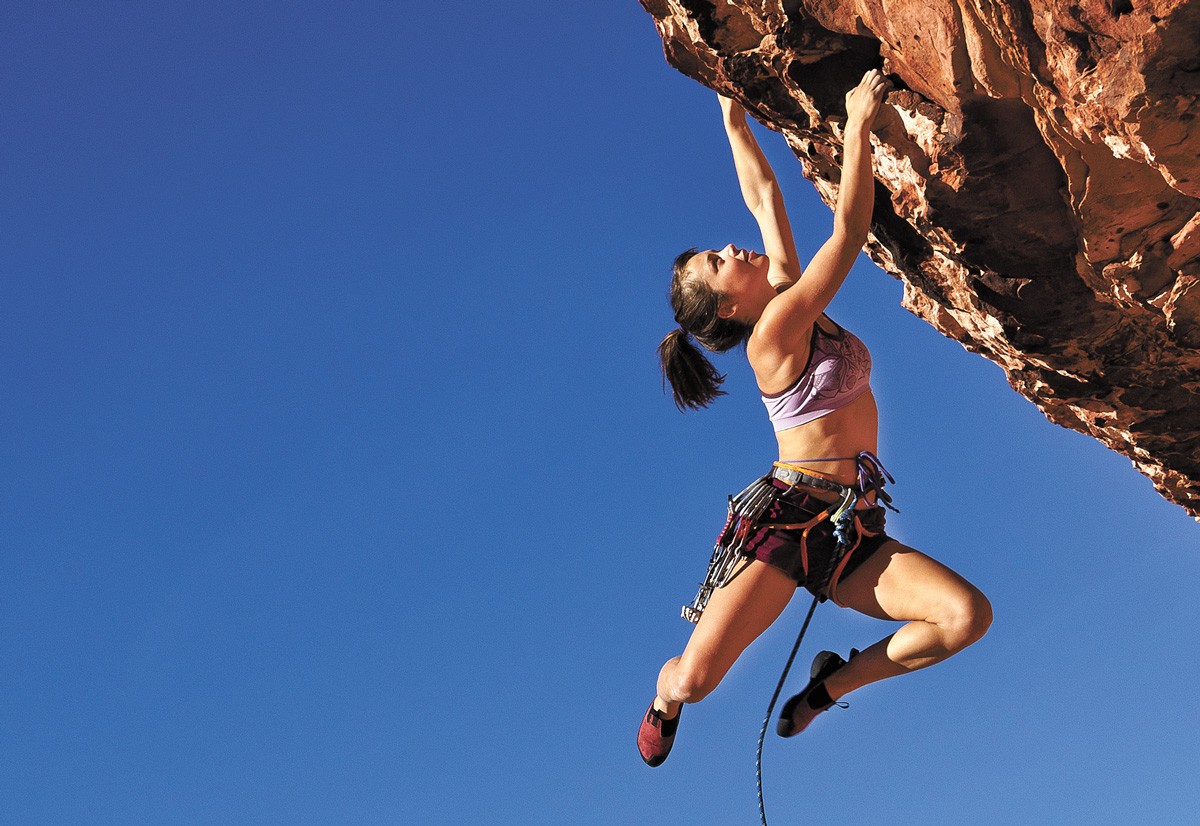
[{"x": 944, "y": 615}]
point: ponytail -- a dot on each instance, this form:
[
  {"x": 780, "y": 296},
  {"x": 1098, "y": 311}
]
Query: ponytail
[{"x": 695, "y": 383}]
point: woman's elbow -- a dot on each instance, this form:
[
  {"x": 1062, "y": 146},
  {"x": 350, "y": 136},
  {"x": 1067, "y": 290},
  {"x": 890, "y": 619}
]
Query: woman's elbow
[
  {"x": 765, "y": 201},
  {"x": 850, "y": 233}
]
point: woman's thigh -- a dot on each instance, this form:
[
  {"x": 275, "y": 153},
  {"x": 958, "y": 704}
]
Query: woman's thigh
[
  {"x": 735, "y": 616},
  {"x": 900, "y": 583}
]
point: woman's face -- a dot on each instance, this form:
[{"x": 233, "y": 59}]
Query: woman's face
[{"x": 739, "y": 275}]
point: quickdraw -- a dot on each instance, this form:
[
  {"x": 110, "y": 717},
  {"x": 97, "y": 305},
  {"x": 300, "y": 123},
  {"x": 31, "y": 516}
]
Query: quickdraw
[{"x": 745, "y": 510}]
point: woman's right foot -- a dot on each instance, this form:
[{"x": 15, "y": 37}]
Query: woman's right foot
[
  {"x": 656, "y": 735},
  {"x": 802, "y": 709}
]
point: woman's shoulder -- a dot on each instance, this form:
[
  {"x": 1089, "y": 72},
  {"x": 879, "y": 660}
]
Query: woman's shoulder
[{"x": 777, "y": 362}]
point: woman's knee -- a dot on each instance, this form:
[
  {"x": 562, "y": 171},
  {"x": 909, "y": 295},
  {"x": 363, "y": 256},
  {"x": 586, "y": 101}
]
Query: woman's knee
[
  {"x": 691, "y": 683},
  {"x": 966, "y": 618}
]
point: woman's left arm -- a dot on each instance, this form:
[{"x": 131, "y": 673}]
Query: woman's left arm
[
  {"x": 786, "y": 321},
  {"x": 760, "y": 190}
]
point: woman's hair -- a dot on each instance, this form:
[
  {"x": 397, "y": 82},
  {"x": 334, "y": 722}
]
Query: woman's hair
[{"x": 695, "y": 383}]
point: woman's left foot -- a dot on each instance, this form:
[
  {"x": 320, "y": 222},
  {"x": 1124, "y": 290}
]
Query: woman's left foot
[{"x": 656, "y": 735}]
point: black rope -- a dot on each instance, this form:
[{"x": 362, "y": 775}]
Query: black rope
[
  {"x": 840, "y": 551},
  {"x": 762, "y": 735},
  {"x": 875, "y": 482}
]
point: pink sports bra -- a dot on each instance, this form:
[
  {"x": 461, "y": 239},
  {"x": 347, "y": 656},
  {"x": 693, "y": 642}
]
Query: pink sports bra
[{"x": 838, "y": 372}]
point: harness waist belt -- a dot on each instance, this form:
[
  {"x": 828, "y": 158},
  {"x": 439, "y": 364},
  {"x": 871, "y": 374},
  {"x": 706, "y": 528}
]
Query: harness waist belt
[{"x": 791, "y": 476}]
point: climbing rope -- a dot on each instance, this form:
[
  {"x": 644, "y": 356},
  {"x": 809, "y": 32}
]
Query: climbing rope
[
  {"x": 762, "y": 735},
  {"x": 746, "y": 509},
  {"x": 841, "y": 532}
]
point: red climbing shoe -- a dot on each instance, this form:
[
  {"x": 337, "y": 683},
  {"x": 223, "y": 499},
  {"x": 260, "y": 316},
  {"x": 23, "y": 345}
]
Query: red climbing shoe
[
  {"x": 797, "y": 713},
  {"x": 656, "y": 735}
]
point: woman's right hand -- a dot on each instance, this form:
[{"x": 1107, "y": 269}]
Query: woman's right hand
[{"x": 862, "y": 102}]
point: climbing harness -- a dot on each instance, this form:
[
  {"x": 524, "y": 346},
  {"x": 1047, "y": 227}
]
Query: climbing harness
[{"x": 730, "y": 557}]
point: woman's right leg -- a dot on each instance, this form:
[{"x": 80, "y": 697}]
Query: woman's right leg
[
  {"x": 944, "y": 612},
  {"x": 734, "y": 618}
]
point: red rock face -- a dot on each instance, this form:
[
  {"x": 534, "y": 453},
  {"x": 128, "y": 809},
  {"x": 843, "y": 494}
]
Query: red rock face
[{"x": 1038, "y": 176}]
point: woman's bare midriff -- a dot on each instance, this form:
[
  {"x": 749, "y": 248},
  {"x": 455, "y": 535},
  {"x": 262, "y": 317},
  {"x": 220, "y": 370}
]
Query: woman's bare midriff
[{"x": 845, "y": 432}]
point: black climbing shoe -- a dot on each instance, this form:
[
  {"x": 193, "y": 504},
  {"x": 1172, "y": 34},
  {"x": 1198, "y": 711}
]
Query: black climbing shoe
[{"x": 797, "y": 713}]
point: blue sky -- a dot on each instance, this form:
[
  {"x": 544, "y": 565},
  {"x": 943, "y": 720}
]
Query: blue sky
[{"x": 339, "y": 484}]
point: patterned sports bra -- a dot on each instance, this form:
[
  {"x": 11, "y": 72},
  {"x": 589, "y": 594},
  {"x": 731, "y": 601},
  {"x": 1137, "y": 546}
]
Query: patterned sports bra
[{"x": 838, "y": 372}]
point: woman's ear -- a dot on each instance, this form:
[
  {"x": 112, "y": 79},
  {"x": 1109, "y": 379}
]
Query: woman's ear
[{"x": 726, "y": 310}]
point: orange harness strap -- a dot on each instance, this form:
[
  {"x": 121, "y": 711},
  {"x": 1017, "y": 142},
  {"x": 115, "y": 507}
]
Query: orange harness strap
[{"x": 806, "y": 527}]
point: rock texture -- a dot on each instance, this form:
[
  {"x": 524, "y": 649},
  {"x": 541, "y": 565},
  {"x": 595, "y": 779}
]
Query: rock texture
[{"x": 1038, "y": 174}]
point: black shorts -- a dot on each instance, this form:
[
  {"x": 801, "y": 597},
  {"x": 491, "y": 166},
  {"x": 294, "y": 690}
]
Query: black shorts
[{"x": 806, "y": 558}]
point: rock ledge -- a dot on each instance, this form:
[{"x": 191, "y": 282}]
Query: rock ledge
[{"x": 1039, "y": 183}]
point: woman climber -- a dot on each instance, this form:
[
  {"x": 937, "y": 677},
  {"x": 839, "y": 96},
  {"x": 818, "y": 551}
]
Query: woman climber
[{"x": 817, "y": 519}]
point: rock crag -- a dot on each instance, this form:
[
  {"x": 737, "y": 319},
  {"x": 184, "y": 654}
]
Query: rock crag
[{"x": 1038, "y": 183}]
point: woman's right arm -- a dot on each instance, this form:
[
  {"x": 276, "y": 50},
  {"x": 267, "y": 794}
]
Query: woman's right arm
[
  {"x": 787, "y": 320},
  {"x": 760, "y": 191}
]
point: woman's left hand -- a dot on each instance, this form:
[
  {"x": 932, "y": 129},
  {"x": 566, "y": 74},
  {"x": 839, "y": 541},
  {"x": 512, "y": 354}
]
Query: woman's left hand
[{"x": 862, "y": 102}]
